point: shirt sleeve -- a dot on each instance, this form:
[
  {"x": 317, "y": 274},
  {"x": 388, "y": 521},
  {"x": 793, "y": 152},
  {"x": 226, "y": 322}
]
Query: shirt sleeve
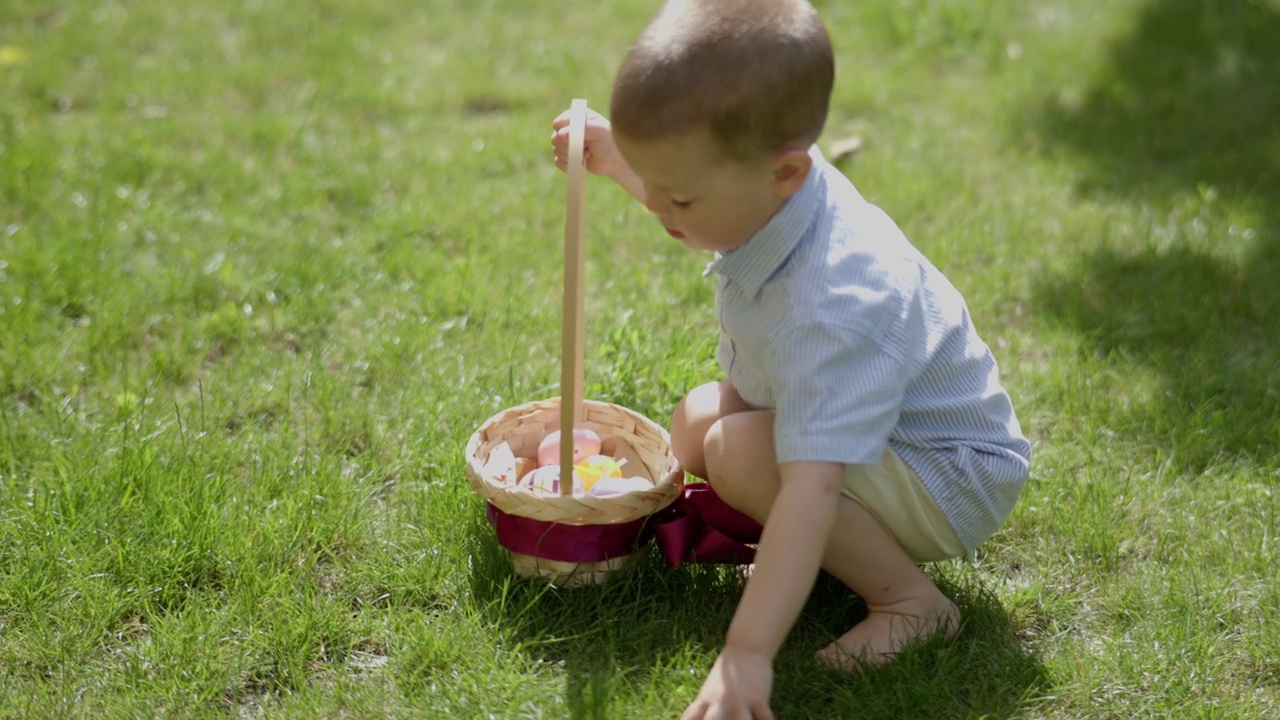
[{"x": 839, "y": 395}]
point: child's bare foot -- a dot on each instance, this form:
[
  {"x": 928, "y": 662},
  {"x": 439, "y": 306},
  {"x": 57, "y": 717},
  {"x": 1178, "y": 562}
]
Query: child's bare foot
[{"x": 886, "y": 630}]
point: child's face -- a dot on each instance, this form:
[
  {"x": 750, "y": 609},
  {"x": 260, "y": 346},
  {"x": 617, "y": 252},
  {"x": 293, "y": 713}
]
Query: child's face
[{"x": 702, "y": 199}]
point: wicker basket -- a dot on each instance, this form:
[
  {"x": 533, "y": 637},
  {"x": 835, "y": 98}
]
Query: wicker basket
[{"x": 644, "y": 444}]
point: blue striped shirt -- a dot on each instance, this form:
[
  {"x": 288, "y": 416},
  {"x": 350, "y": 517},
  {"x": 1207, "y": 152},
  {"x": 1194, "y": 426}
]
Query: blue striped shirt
[{"x": 831, "y": 318}]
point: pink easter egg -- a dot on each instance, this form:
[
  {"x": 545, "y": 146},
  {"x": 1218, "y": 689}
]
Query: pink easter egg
[{"x": 585, "y": 444}]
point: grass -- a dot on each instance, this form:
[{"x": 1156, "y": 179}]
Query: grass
[{"x": 266, "y": 265}]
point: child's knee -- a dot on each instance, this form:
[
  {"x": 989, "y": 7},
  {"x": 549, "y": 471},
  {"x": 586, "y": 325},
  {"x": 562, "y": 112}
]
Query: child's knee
[
  {"x": 688, "y": 451},
  {"x": 692, "y": 418},
  {"x": 688, "y": 430},
  {"x": 719, "y": 461},
  {"x": 738, "y": 453}
]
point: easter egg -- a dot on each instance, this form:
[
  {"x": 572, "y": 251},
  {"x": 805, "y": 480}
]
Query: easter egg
[
  {"x": 596, "y": 467},
  {"x": 619, "y": 485},
  {"x": 585, "y": 444},
  {"x": 546, "y": 479},
  {"x": 543, "y": 479}
]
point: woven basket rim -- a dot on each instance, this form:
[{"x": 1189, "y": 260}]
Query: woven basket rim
[{"x": 574, "y": 509}]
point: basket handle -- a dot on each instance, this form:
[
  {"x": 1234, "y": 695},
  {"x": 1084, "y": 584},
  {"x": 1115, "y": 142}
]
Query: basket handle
[{"x": 573, "y": 327}]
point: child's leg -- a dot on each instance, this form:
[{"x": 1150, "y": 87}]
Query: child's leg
[
  {"x": 903, "y": 603},
  {"x": 702, "y": 407}
]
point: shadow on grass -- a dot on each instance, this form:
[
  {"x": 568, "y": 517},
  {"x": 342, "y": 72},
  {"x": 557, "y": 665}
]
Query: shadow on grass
[
  {"x": 637, "y": 635},
  {"x": 986, "y": 671},
  {"x": 1185, "y": 120}
]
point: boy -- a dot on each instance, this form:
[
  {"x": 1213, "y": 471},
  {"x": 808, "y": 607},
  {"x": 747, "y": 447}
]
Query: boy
[{"x": 861, "y": 420}]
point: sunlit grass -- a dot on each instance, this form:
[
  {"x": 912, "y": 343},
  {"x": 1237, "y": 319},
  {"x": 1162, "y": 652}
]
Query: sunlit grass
[{"x": 265, "y": 266}]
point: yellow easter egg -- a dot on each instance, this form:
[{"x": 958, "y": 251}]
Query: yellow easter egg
[{"x": 595, "y": 468}]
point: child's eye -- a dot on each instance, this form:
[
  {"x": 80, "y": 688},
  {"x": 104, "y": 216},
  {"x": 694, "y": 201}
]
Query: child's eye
[{"x": 682, "y": 203}]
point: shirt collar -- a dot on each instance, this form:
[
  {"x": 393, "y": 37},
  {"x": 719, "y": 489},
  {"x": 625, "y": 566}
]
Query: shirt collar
[{"x": 755, "y": 261}]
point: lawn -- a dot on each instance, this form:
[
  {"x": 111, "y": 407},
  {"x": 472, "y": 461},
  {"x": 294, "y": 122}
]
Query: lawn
[{"x": 265, "y": 265}]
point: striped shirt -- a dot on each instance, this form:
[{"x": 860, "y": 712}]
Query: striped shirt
[{"x": 832, "y": 319}]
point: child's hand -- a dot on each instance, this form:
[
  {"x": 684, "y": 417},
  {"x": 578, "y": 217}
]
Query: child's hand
[
  {"x": 601, "y": 155},
  {"x": 738, "y": 688}
]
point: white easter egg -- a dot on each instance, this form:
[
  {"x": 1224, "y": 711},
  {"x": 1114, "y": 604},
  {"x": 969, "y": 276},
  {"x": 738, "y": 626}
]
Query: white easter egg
[{"x": 618, "y": 485}]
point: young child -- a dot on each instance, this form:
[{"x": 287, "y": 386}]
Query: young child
[{"x": 862, "y": 420}]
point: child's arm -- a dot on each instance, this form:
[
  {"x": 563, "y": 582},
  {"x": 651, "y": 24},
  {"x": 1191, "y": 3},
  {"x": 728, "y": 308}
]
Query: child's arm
[
  {"x": 787, "y": 561},
  {"x": 600, "y": 154},
  {"x": 788, "y": 557}
]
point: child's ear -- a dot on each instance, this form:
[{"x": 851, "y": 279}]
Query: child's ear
[{"x": 790, "y": 170}]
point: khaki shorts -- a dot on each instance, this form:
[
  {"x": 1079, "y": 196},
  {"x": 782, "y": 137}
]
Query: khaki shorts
[{"x": 893, "y": 493}]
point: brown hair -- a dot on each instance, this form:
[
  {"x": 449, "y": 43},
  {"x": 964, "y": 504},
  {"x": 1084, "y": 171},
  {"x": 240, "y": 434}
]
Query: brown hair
[{"x": 756, "y": 74}]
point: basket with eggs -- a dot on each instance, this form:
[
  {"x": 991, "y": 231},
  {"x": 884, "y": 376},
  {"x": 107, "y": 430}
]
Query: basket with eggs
[{"x": 572, "y": 512}]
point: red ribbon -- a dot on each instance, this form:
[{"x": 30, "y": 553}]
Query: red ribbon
[
  {"x": 566, "y": 543},
  {"x": 698, "y": 527}
]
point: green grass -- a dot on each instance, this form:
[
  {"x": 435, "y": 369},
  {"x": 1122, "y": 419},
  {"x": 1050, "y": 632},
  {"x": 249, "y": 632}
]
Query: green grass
[{"x": 266, "y": 265}]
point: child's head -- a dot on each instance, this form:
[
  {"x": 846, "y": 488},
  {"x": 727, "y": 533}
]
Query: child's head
[
  {"x": 715, "y": 107},
  {"x": 755, "y": 75}
]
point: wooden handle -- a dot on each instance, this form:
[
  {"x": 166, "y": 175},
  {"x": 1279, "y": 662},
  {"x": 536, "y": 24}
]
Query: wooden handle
[{"x": 573, "y": 328}]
